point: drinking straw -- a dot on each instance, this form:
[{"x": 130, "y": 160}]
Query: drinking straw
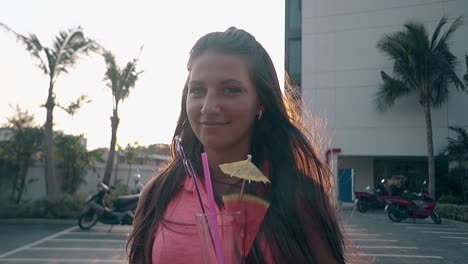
[
  {"x": 213, "y": 221},
  {"x": 188, "y": 169},
  {"x": 191, "y": 172}
]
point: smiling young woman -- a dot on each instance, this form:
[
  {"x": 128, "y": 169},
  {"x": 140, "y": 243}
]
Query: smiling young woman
[{"x": 232, "y": 106}]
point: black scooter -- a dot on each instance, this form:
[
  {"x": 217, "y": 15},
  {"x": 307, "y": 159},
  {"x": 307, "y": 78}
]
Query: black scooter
[{"x": 121, "y": 213}]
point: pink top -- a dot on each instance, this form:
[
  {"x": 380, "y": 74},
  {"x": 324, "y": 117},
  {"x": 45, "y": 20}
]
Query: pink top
[{"x": 176, "y": 240}]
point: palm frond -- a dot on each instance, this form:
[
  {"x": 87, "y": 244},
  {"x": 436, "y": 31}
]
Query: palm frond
[
  {"x": 67, "y": 47},
  {"x": 418, "y": 39},
  {"x": 393, "y": 45},
  {"x": 466, "y": 74},
  {"x": 439, "y": 92},
  {"x": 390, "y": 91},
  {"x": 435, "y": 35},
  {"x": 112, "y": 75},
  {"x": 449, "y": 33},
  {"x": 33, "y": 46},
  {"x": 457, "y": 149},
  {"x": 129, "y": 78},
  {"x": 120, "y": 80},
  {"x": 441, "y": 76}
]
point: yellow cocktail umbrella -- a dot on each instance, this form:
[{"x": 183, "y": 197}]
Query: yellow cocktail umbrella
[{"x": 245, "y": 170}]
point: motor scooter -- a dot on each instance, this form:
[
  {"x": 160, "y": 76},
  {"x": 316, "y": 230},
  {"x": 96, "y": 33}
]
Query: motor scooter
[
  {"x": 374, "y": 198},
  {"x": 417, "y": 206},
  {"x": 96, "y": 210}
]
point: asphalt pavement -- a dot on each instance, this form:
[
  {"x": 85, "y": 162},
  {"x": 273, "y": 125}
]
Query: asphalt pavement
[
  {"x": 371, "y": 238},
  {"x": 61, "y": 243}
]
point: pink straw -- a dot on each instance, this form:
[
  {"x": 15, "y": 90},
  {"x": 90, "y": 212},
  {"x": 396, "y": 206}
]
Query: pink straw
[{"x": 213, "y": 221}]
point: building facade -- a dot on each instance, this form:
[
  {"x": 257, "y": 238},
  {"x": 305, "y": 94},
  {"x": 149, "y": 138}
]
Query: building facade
[{"x": 335, "y": 62}]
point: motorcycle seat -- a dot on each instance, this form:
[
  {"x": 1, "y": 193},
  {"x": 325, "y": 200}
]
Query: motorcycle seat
[{"x": 125, "y": 200}]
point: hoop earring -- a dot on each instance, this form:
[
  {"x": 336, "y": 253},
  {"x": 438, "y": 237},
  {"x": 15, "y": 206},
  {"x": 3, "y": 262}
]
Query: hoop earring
[{"x": 260, "y": 113}]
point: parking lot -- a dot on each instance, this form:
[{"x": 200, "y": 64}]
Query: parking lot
[
  {"x": 72, "y": 245},
  {"x": 374, "y": 238},
  {"x": 371, "y": 238}
]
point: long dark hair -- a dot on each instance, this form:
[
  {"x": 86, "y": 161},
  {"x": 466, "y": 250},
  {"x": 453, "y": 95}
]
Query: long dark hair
[{"x": 300, "y": 192}]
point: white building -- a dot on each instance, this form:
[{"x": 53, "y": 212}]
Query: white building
[
  {"x": 5, "y": 134},
  {"x": 331, "y": 54}
]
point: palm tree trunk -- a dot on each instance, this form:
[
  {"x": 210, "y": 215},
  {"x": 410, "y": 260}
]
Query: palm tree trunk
[
  {"x": 23, "y": 174},
  {"x": 110, "y": 158},
  {"x": 51, "y": 181},
  {"x": 14, "y": 186},
  {"x": 430, "y": 146}
]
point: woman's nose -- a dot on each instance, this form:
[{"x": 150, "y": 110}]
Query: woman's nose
[{"x": 211, "y": 104}]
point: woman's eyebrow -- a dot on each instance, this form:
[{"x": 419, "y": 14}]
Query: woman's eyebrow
[
  {"x": 195, "y": 82},
  {"x": 224, "y": 82},
  {"x": 231, "y": 81}
]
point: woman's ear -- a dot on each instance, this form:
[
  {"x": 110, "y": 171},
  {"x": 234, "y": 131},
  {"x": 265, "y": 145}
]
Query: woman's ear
[{"x": 260, "y": 112}]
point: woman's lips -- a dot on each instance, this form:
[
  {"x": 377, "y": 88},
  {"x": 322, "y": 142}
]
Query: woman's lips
[{"x": 213, "y": 124}]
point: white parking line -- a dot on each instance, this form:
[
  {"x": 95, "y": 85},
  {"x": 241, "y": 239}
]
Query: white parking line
[
  {"x": 452, "y": 237},
  {"x": 435, "y": 228},
  {"x": 37, "y": 242},
  {"x": 351, "y": 226},
  {"x": 50, "y": 260},
  {"x": 420, "y": 224},
  {"x": 361, "y": 234},
  {"x": 397, "y": 256},
  {"x": 372, "y": 239},
  {"x": 88, "y": 240},
  {"x": 75, "y": 249},
  {"x": 443, "y": 232},
  {"x": 355, "y": 230},
  {"x": 383, "y": 247},
  {"x": 99, "y": 233}
]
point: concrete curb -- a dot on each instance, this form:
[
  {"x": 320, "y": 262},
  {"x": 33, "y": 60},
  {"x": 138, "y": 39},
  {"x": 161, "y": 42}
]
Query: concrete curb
[{"x": 38, "y": 221}]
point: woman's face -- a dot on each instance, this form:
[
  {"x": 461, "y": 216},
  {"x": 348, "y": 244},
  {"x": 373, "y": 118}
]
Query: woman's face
[{"x": 222, "y": 102}]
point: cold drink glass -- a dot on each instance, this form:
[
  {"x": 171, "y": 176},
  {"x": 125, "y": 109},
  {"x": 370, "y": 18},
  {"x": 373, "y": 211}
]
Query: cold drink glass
[{"x": 231, "y": 226}]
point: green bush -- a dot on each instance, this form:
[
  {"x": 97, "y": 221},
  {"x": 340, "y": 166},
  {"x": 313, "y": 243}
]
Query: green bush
[
  {"x": 63, "y": 206},
  {"x": 453, "y": 211},
  {"x": 449, "y": 199},
  {"x": 118, "y": 191}
]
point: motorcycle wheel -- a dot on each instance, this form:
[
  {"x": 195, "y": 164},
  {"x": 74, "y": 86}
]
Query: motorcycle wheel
[
  {"x": 87, "y": 220},
  {"x": 392, "y": 213},
  {"x": 436, "y": 217},
  {"x": 362, "y": 206}
]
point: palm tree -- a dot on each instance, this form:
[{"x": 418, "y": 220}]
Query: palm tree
[
  {"x": 120, "y": 81},
  {"x": 53, "y": 61},
  {"x": 423, "y": 65},
  {"x": 457, "y": 151}
]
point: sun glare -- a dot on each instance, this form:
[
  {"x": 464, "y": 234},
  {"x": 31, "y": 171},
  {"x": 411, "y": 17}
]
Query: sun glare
[{"x": 167, "y": 29}]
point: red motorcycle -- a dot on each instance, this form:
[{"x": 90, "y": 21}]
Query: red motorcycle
[
  {"x": 375, "y": 200},
  {"x": 417, "y": 206}
]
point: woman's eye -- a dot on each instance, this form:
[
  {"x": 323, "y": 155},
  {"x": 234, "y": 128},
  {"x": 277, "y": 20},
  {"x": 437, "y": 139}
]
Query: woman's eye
[
  {"x": 231, "y": 90},
  {"x": 196, "y": 90}
]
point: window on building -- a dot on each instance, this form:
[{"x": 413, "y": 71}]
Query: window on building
[
  {"x": 294, "y": 14},
  {"x": 295, "y": 60}
]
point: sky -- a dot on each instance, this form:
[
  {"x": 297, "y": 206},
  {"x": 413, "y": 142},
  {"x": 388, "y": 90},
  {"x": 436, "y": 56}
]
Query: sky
[{"x": 166, "y": 30}]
